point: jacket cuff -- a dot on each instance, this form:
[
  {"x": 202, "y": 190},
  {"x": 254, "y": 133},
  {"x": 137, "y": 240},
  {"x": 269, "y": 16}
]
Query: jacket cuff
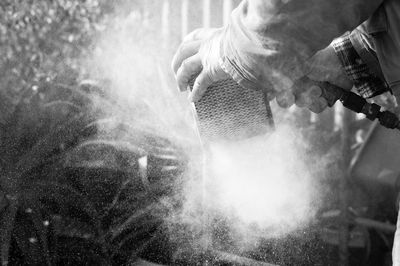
[
  {"x": 364, "y": 49},
  {"x": 366, "y": 82}
]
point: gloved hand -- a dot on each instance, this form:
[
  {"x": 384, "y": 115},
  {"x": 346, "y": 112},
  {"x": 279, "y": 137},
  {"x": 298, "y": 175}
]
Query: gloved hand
[
  {"x": 323, "y": 66},
  {"x": 198, "y": 56}
]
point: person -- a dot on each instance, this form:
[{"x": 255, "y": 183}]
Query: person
[{"x": 270, "y": 45}]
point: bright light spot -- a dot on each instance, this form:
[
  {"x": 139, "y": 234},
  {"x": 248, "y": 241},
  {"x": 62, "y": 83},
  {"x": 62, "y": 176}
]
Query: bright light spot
[
  {"x": 46, "y": 223},
  {"x": 32, "y": 240},
  {"x": 143, "y": 171}
]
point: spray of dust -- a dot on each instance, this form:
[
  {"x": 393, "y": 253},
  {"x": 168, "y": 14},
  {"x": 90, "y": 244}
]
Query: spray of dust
[
  {"x": 265, "y": 181},
  {"x": 129, "y": 57},
  {"x": 260, "y": 188}
]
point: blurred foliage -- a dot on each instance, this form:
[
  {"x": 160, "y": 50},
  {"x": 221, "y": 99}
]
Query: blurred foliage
[{"x": 44, "y": 39}]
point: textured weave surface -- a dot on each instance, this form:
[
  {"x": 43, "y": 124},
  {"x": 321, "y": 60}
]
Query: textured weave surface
[{"x": 229, "y": 112}]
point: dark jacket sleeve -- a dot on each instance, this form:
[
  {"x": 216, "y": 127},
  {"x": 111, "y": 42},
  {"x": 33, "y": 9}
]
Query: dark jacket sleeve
[
  {"x": 360, "y": 63},
  {"x": 268, "y": 42}
]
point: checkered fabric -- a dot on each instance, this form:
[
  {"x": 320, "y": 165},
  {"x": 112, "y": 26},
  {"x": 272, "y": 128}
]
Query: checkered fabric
[{"x": 366, "y": 83}]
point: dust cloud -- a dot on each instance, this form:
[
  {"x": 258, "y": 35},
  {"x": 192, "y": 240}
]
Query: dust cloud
[{"x": 265, "y": 185}]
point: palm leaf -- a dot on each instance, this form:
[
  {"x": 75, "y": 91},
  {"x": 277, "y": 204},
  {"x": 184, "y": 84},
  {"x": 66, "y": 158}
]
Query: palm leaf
[
  {"x": 42, "y": 232},
  {"x": 65, "y": 134},
  {"x": 131, "y": 220},
  {"x": 64, "y": 196},
  {"x": 6, "y": 228},
  {"x": 3, "y": 202},
  {"x": 72, "y": 228},
  {"x": 28, "y": 241}
]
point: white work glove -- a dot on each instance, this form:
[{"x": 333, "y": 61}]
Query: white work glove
[
  {"x": 323, "y": 66},
  {"x": 199, "y": 57}
]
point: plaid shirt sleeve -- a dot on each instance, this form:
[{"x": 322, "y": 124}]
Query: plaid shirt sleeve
[{"x": 365, "y": 82}]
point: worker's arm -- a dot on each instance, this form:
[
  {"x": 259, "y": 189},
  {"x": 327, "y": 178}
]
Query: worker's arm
[
  {"x": 349, "y": 61},
  {"x": 267, "y": 43}
]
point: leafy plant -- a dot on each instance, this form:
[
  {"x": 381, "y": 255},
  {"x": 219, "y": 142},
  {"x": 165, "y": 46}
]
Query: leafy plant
[{"x": 73, "y": 191}]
